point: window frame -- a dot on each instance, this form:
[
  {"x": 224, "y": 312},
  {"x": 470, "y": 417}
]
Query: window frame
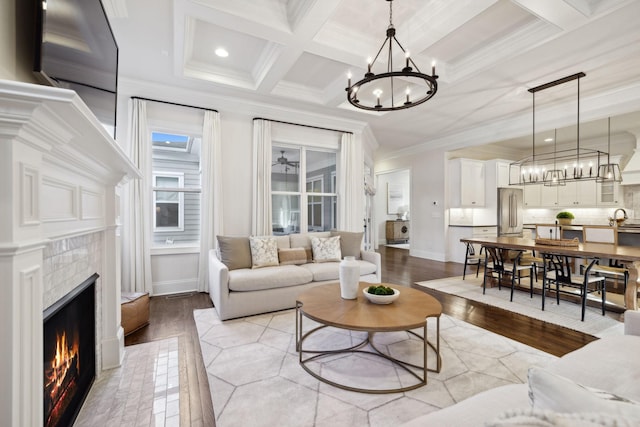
[
  {"x": 303, "y": 194},
  {"x": 180, "y": 190}
]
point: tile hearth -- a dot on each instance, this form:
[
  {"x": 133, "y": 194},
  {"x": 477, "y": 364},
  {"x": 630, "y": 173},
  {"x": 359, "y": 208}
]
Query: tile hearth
[{"x": 144, "y": 391}]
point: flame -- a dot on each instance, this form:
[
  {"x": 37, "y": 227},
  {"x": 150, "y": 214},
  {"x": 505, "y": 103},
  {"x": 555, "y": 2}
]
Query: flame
[{"x": 66, "y": 355}]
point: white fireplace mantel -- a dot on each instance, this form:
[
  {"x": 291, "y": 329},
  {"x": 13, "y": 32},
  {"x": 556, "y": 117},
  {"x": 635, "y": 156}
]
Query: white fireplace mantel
[{"x": 59, "y": 177}]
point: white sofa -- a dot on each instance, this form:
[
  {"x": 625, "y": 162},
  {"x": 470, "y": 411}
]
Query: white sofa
[
  {"x": 237, "y": 292},
  {"x": 554, "y": 395}
]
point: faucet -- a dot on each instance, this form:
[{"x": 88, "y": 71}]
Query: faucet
[{"x": 616, "y": 220}]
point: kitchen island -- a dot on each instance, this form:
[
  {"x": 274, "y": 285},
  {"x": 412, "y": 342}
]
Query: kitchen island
[{"x": 629, "y": 255}]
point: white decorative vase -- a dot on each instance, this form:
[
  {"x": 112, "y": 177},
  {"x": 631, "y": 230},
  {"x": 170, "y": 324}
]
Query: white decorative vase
[{"x": 349, "y": 277}]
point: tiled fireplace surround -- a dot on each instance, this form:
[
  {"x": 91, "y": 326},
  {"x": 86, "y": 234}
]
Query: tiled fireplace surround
[{"x": 60, "y": 174}]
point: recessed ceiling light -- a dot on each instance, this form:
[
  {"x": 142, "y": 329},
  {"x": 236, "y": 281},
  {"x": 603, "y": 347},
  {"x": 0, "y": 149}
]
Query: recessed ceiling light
[
  {"x": 548, "y": 139},
  {"x": 222, "y": 52}
]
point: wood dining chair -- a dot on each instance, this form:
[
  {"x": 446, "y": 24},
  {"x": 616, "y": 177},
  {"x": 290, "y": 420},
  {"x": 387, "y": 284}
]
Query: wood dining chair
[
  {"x": 472, "y": 257},
  {"x": 557, "y": 270},
  {"x": 609, "y": 235},
  {"x": 498, "y": 262},
  {"x": 549, "y": 231}
]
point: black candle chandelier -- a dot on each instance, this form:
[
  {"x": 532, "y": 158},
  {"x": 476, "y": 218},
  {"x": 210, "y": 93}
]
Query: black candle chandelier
[
  {"x": 580, "y": 164},
  {"x": 385, "y": 83}
]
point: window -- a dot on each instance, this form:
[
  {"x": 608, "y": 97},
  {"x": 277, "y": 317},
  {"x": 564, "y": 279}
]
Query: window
[
  {"x": 168, "y": 205},
  {"x": 288, "y": 194},
  {"x": 176, "y": 188}
]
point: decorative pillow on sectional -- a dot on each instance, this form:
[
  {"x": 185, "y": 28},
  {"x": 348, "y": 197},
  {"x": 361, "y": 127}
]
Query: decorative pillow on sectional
[
  {"x": 350, "y": 242},
  {"x": 527, "y": 417},
  {"x": 264, "y": 251},
  {"x": 560, "y": 394},
  {"x": 293, "y": 256},
  {"x": 235, "y": 252},
  {"x": 326, "y": 249}
]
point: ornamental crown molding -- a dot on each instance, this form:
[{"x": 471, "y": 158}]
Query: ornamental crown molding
[{"x": 57, "y": 124}]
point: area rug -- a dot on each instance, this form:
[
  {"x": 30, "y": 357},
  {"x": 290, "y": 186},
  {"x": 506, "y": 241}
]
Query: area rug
[
  {"x": 255, "y": 378},
  {"x": 565, "y": 314}
]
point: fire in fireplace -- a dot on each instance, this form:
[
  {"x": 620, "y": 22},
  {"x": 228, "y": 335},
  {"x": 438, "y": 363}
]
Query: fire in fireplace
[{"x": 69, "y": 353}]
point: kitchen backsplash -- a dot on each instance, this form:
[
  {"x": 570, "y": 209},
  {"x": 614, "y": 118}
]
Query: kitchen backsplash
[
  {"x": 632, "y": 201},
  {"x": 590, "y": 216}
]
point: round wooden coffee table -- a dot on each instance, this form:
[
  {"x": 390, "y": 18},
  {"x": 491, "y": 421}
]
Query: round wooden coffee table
[{"x": 324, "y": 305}]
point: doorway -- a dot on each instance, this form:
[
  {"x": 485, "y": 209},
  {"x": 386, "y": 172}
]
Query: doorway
[{"x": 393, "y": 208}]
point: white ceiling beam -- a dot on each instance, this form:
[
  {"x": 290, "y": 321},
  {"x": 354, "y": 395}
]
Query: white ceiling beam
[
  {"x": 309, "y": 20},
  {"x": 559, "y": 13}
]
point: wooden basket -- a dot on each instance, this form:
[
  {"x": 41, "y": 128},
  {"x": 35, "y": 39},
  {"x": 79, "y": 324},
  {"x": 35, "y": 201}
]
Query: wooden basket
[{"x": 558, "y": 242}]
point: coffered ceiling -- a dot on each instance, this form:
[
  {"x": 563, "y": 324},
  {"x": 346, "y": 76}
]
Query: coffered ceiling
[{"x": 296, "y": 54}]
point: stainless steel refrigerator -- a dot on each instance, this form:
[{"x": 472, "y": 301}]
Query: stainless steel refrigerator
[{"x": 510, "y": 212}]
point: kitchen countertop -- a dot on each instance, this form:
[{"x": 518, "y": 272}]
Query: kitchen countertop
[
  {"x": 578, "y": 227},
  {"x": 472, "y": 226}
]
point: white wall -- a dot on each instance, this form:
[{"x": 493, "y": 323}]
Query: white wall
[
  {"x": 236, "y": 123},
  {"x": 401, "y": 178},
  {"x": 428, "y": 172}
]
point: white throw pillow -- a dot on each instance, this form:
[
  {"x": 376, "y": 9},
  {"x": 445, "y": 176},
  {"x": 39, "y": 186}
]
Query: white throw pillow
[
  {"x": 326, "y": 249},
  {"x": 556, "y": 393},
  {"x": 527, "y": 417},
  {"x": 264, "y": 251}
]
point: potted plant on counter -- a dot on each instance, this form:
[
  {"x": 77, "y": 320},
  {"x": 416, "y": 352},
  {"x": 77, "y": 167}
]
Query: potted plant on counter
[{"x": 564, "y": 218}]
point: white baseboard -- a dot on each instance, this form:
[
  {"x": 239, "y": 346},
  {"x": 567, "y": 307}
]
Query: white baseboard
[
  {"x": 436, "y": 256},
  {"x": 175, "y": 286}
]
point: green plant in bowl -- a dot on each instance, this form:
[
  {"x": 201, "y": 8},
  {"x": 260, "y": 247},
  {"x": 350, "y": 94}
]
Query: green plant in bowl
[
  {"x": 565, "y": 215},
  {"x": 380, "y": 290}
]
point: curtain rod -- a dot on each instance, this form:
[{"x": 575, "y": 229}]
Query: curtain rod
[
  {"x": 306, "y": 126},
  {"x": 173, "y": 103}
]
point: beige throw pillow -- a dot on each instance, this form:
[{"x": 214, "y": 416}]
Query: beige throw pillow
[
  {"x": 293, "y": 256},
  {"x": 235, "y": 252},
  {"x": 326, "y": 249},
  {"x": 350, "y": 242},
  {"x": 264, "y": 251}
]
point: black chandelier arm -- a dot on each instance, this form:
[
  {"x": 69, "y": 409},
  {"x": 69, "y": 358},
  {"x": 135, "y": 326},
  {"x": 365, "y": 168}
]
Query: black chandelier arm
[{"x": 431, "y": 81}]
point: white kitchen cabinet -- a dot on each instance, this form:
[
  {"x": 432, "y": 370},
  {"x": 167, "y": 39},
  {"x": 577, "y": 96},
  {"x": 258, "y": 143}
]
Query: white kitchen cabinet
[
  {"x": 608, "y": 194},
  {"x": 467, "y": 179},
  {"x": 549, "y": 196},
  {"x": 540, "y": 196},
  {"x": 502, "y": 174},
  {"x": 488, "y": 231},
  {"x": 578, "y": 193},
  {"x": 532, "y": 196}
]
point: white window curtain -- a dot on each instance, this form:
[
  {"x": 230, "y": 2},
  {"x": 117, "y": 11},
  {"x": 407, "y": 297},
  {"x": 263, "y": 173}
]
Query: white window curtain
[
  {"x": 211, "y": 196},
  {"x": 136, "y": 257},
  {"x": 261, "y": 218},
  {"x": 351, "y": 185}
]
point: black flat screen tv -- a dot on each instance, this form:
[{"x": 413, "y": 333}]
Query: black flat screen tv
[{"x": 75, "y": 49}]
